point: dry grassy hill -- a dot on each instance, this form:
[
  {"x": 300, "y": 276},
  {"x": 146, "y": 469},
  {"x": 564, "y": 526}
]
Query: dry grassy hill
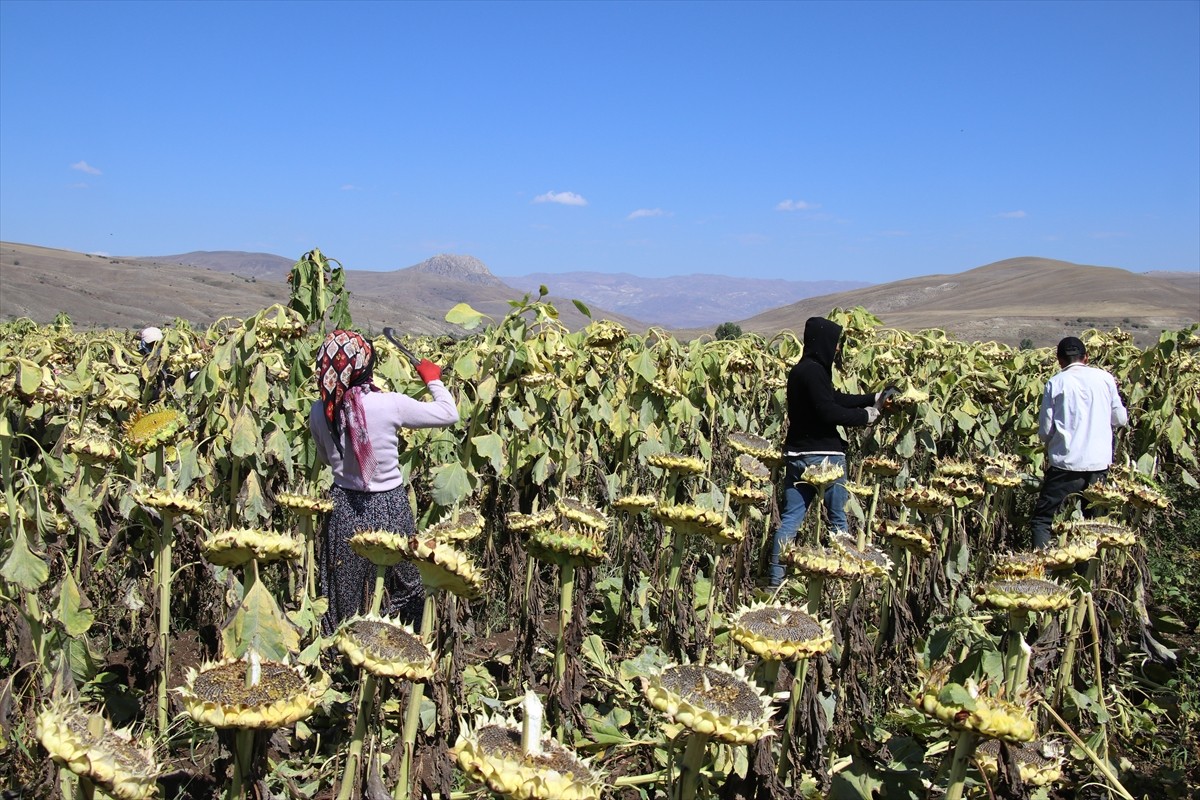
[
  {"x": 117, "y": 292},
  {"x": 1020, "y": 298}
]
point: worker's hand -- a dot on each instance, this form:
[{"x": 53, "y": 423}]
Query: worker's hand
[
  {"x": 429, "y": 371},
  {"x": 872, "y": 415}
]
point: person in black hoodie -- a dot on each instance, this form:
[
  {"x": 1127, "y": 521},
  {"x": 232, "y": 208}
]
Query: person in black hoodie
[{"x": 815, "y": 410}]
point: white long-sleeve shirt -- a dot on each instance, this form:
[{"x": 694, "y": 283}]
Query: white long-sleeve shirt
[
  {"x": 1080, "y": 408},
  {"x": 386, "y": 414}
]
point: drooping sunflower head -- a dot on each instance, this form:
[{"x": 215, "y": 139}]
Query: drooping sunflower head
[
  {"x": 381, "y": 548},
  {"x": 167, "y": 500},
  {"x": 576, "y": 513},
  {"x": 442, "y": 566},
  {"x": 756, "y": 446},
  {"x": 1039, "y": 763},
  {"x": 684, "y": 518},
  {"x": 1001, "y": 474},
  {"x": 304, "y": 504},
  {"x": 524, "y": 523},
  {"x": 251, "y": 693},
  {"x": 1024, "y": 594},
  {"x": 965, "y": 707},
  {"x": 780, "y": 632},
  {"x": 635, "y": 503},
  {"x": 567, "y": 544},
  {"x": 1017, "y": 565},
  {"x": 605, "y": 334},
  {"x": 463, "y": 527},
  {"x": 875, "y": 562},
  {"x": 94, "y": 448},
  {"x": 715, "y": 701},
  {"x": 237, "y": 546},
  {"x": 1105, "y": 494},
  {"x": 953, "y": 468},
  {"x": 882, "y": 466},
  {"x": 384, "y": 646},
  {"x": 916, "y": 539},
  {"x": 925, "y": 499},
  {"x": 491, "y": 751},
  {"x": 958, "y": 487},
  {"x": 748, "y": 495},
  {"x": 823, "y": 562},
  {"x": 676, "y": 463},
  {"x": 860, "y": 489},
  {"x": 89, "y": 746},
  {"x": 752, "y": 468},
  {"x": 1107, "y": 533},
  {"x": 147, "y": 430},
  {"x": 1070, "y": 553},
  {"x": 822, "y": 474}
]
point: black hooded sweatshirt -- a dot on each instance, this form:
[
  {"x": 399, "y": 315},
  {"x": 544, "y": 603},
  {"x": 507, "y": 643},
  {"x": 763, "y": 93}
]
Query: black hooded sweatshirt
[{"x": 815, "y": 408}]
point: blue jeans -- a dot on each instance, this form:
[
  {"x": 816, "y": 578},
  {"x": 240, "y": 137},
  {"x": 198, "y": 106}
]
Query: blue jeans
[{"x": 797, "y": 497}]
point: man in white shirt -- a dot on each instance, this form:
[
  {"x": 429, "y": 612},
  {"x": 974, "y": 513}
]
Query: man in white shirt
[{"x": 1080, "y": 408}]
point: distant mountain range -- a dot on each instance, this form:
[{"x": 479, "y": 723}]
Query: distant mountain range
[
  {"x": 682, "y": 301},
  {"x": 1035, "y": 298}
]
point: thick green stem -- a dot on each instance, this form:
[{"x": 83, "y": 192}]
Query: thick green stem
[
  {"x": 1074, "y": 629},
  {"x": 689, "y": 768},
  {"x": 366, "y": 701},
  {"x": 412, "y": 723},
  {"x": 1016, "y": 652},
  {"x": 377, "y": 595},
  {"x": 677, "y": 548},
  {"x": 566, "y": 597},
  {"x": 1099, "y": 678},
  {"x": 816, "y": 585},
  {"x": 163, "y": 577},
  {"x": 789, "y": 723},
  {"x": 243, "y": 753},
  {"x": 963, "y": 752}
]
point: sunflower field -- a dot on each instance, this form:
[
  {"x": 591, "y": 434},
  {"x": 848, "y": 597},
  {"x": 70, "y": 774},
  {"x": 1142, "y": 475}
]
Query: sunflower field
[{"x": 591, "y": 538}]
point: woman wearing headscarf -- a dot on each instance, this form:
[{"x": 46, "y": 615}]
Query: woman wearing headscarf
[{"x": 356, "y": 427}]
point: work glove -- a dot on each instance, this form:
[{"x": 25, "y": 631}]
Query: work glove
[
  {"x": 429, "y": 371},
  {"x": 872, "y": 415}
]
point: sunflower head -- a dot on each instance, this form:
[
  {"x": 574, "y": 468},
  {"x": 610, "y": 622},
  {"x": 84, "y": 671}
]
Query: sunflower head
[
  {"x": 89, "y": 746},
  {"x": 166, "y": 500},
  {"x": 676, "y": 463},
  {"x": 491, "y": 751},
  {"x": 236, "y": 546},
  {"x": 303, "y": 504},
  {"x": 715, "y": 701},
  {"x": 384, "y": 646},
  {"x": 251, "y": 693},
  {"x": 462, "y": 527},
  {"x": 881, "y": 465},
  {"x": 965, "y": 707},
  {"x": 915, "y": 538},
  {"x": 1039, "y": 763},
  {"x": 442, "y": 566},
  {"x": 822, "y": 474},
  {"x": 147, "y": 430},
  {"x": 635, "y": 503},
  {"x": 780, "y": 632},
  {"x": 755, "y": 446},
  {"x": 1024, "y": 594}
]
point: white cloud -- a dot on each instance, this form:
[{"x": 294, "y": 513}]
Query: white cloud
[
  {"x": 796, "y": 205},
  {"x": 647, "y": 212},
  {"x": 562, "y": 198},
  {"x": 1012, "y": 215},
  {"x": 84, "y": 166},
  {"x": 349, "y": 187}
]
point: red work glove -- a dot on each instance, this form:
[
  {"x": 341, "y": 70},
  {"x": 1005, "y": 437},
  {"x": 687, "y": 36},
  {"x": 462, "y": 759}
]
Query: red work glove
[{"x": 429, "y": 371}]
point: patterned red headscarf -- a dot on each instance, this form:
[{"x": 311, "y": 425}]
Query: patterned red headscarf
[{"x": 345, "y": 366}]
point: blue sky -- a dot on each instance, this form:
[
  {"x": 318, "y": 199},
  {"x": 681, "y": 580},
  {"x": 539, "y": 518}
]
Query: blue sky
[{"x": 804, "y": 140}]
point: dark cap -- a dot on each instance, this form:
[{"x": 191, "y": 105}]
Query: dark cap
[{"x": 1071, "y": 347}]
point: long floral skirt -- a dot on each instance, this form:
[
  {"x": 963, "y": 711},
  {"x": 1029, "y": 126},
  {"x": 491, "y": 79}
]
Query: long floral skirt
[{"x": 348, "y": 579}]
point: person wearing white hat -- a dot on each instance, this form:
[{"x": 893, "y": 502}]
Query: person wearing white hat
[{"x": 148, "y": 338}]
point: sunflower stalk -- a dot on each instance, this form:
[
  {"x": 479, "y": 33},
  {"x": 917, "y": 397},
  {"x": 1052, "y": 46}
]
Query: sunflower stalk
[
  {"x": 412, "y": 712},
  {"x": 1016, "y": 652},
  {"x": 162, "y": 576},
  {"x": 798, "y": 681},
  {"x": 964, "y": 750},
  {"x": 688, "y": 782}
]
